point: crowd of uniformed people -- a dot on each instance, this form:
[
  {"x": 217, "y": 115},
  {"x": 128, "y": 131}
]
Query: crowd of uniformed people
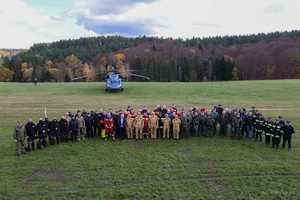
[{"x": 162, "y": 122}]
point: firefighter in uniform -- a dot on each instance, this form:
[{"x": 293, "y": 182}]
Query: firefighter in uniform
[
  {"x": 278, "y": 131},
  {"x": 109, "y": 126},
  {"x": 139, "y": 125},
  {"x": 166, "y": 126},
  {"x": 258, "y": 125},
  {"x": 268, "y": 128},
  {"x": 176, "y": 127},
  {"x": 287, "y": 135},
  {"x": 130, "y": 125},
  {"x": 153, "y": 124},
  {"x": 146, "y": 125}
]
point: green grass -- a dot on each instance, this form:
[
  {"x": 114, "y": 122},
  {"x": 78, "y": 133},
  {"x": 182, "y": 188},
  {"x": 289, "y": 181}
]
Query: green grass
[{"x": 197, "y": 168}]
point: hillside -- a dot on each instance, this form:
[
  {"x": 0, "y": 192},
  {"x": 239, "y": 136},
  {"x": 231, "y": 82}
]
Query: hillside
[{"x": 262, "y": 56}]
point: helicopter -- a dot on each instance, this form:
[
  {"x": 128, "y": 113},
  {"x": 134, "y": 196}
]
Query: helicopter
[{"x": 114, "y": 79}]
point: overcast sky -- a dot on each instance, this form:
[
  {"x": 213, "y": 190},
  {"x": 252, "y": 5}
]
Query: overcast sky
[{"x": 25, "y": 22}]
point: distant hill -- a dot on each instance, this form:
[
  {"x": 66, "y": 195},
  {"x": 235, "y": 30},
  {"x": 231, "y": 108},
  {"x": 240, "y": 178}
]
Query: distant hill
[
  {"x": 10, "y": 52},
  {"x": 261, "y": 56}
]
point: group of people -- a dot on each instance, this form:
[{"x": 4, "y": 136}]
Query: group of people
[{"x": 162, "y": 122}]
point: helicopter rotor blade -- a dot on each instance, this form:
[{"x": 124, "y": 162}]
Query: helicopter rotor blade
[
  {"x": 83, "y": 77},
  {"x": 140, "y": 76},
  {"x": 78, "y": 78}
]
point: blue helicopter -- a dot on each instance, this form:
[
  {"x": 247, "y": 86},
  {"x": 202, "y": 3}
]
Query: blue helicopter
[{"x": 114, "y": 80}]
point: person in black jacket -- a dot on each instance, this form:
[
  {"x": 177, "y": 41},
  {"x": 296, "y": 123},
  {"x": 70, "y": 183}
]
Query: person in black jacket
[
  {"x": 268, "y": 129},
  {"x": 121, "y": 126},
  {"x": 48, "y": 125},
  {"x": 96, "y": 123},
  {"x": 89, "y": 125},
  {"x": 288, "y": 132},
  {"x": 74, "y": 127},
  {"x": 55, "y": 131},
  {"x": 259, "y": 126},
  {"x": 64, "y": 129},
  {"x": 42, "y": 133},
  {"x": 277, "y": 133},
  {"x": 30, "y": 129}
]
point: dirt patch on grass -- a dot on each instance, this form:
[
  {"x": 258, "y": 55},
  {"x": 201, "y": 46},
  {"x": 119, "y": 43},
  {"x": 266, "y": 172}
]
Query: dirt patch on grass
[
  {"x": 209, "y": 179},
  {"x": 56, "y": 176},
  {"x": 211, "y": 184},
  {"x": 138, "y": 144},
  {"x": 186, "y": 151}
]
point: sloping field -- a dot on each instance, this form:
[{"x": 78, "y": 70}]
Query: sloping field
[{"x": 196, "y": 168}]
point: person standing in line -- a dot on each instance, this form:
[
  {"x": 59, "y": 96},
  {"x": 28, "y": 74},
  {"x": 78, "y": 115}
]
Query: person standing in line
[{"x": 19, "y": 136}]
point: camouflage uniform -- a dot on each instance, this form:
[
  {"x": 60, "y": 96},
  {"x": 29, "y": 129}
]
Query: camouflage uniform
[
  {"x": 186, "y": 124},
  {"x": 209, "y": 124},
  {"x": 19, "y": 136},
  {"x": 236, "y": 126},
  {"x": 196, "y": 123},
  {"x": 228, "y": 123}
]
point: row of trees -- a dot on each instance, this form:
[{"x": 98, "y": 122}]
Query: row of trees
[
  {"x": 187, "y": 69},
  {"x": 261, "y": 56},
  {"x": 178, "y": 69}
]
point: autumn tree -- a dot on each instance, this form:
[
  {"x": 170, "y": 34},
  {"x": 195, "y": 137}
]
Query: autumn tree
[
  {"x": 121, "y": 65},
  {"x": 270, "y": 69},
  {"x": 89, "y": 72},
  {"x": 73, "y": 67},
  {"x": 5, "y": 74},
  {"x": 49, "y": 64},
  {"x": 296, "y": 59}
]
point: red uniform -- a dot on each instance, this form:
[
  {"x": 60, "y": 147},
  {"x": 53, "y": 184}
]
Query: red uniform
[
  {"x": 146, "y": 127},
  {"x": 109, "y": 126}
]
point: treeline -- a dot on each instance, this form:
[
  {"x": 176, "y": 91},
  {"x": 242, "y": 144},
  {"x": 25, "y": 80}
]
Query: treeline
[
  {"x": 186, "y": 68},
  {"x": 261, "y": 56}
]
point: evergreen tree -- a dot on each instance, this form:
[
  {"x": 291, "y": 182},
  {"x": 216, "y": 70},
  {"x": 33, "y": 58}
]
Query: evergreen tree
[{"x": 235, "y": 73}]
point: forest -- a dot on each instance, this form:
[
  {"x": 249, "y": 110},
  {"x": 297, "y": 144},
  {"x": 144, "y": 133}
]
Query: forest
[{"x": 247, "y": 57}]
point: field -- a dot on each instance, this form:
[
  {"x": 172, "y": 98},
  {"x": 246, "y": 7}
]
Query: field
[{"x": 196, "y": 168}]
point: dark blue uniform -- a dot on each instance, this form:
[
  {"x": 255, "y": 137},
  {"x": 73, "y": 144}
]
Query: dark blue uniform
[
  {"x": 74, "y": 127},
  {"x": 30, "y": 128},
  {"x": 42, "y": 128},
  {"x": 55, "y": 131},
  {"x": 64, "y": 130},
  {"x": 288, "y": 132},
  {"x": 89, "y": 125}
]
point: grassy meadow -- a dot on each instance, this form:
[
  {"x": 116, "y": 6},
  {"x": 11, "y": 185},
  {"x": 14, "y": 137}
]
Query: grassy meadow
[{"x": 195, "y": 168}]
